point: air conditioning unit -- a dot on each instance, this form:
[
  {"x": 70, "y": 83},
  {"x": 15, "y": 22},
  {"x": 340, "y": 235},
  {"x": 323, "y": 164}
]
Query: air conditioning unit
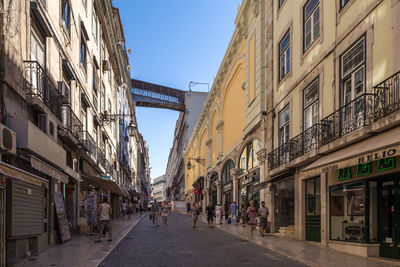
[
  {"x": 48, "y": 126},
  {"x": 64, "y": 90},
  {"x": 8, "y": 140},
  {"x": 106, "y": 66}
]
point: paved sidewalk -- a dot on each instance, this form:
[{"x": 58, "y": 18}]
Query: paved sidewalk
[
  {"x": 81, "y": 250},
  {"x": 309, "y": 253}
]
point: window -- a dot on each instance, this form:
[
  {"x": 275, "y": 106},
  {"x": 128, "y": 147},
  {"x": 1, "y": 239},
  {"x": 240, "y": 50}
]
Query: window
[
  {"x": 353, "y": 72},
  {"x": 343, "y": 3},
  {"x": 95, "y": 24},
  {"x": 284, "y": 56},
  {"x": 311, "y": 22},
  {"x": 310, "y": 104},
  {"x": 83, "y": 52},
  {"x": 280, "y": 2},
  {"x": 102, "y": 99},
  {"x": 95, "y": 101},
  {"x": 248, "y": 159},
  {"x": 66, "y": 15},
  {"x": 347, "y": 214},
  {"x": 283, "y": 121},
  {"x": 226, "y": 172}
]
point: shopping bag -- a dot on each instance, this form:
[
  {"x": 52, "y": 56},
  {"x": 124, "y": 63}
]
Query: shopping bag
[{"x": 229, "y": 221}]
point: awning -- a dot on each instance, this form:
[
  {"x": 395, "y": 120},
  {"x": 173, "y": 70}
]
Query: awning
[
  {"x": 39, "y": 165},
  {"x": 13, "y": 172},
  {"x": 105, "y": 184},
  {"x": 380, "y": 146}
]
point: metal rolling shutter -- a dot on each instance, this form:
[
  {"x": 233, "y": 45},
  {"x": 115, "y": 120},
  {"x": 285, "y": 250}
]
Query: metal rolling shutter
[{"x": 26, "y": 209}]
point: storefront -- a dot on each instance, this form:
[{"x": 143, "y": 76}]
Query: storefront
[
  {"x": 199, "y": 192},
  {"x": 227, "y": 197},
  {"x": 213, "y": 190},
  {"x": 284, "y": 203},
  {"x": 246, "y": 190},
  {"x": 313, "y": 209}
]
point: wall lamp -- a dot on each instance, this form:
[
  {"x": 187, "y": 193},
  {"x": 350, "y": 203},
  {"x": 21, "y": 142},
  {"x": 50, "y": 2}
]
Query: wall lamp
[
  {"x": 107, "y": 118},
  {"x": 198, "y": 160},
  {"x": 192, "y": 83}
]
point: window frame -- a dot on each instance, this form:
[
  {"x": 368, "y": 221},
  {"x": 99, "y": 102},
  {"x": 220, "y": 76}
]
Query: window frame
[
  {"x": 286, "y": 124},
  {"x": 85, "y": 54},
  {"x": 309, "y": 105},
  {"x": 310, "y": 17},
  {"x": 95, "y": 22},
  {"x": 226, "y": 173},
  {"x": 341, "y": 5},
  {"x": 66, "y": 24},
  {"x": 284, "y": 53},
  {"x": 281, "y": 3}
]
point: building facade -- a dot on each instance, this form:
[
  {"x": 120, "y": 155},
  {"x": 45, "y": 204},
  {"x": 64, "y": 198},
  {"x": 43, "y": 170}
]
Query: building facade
[
  {"x": 184, "y": 127},
  {"x": 65, "y": 84},
  {"x": 159, "y": 188},
  {"x": 225, "y": 156}
]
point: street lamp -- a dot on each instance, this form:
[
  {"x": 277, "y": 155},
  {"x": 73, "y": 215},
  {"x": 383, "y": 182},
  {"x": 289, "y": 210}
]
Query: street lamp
[
  {"x": 198, "y": 160},
  {"x": 107, "y": 118},
  {"x": 192, "y": 83}
]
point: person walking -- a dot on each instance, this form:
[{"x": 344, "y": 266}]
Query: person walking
[
  {"x": 218, "y": 213},
  {"x": 164, "y": 212},
  {"x": 233, "y": 210},
  {"x": 104, "y": 212},
  {"x": 130, "y": 209},
  {"x": 210, "y": 214},
  {"x": 263, "y": 212},
  {"x": 140, "y": 209},
  {"x": 155, "y": 209},
  {"x": 124, "y": 207},
  {"x": 187, "y": 208},
  {"x": 243, "y": 215},
  {"x": 251, "y": 213},
  {"x": 194, "y": 211}
]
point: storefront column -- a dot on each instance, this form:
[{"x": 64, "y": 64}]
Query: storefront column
[
  {"x": 235, "y": 177},
  {"x": 324, "y": 209},
  {"x": 218, "y": 185}
]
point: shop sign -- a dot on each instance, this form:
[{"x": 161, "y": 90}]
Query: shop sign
[
  {"x": 247, "y": 180},
  {"x": 376, "y": 156},
  {"x": 344, "y": 174},
  {"x": 227, "y": 187},
  {"x": 106, "y": 177},
  {"x": 366, "y": 168},
  {"x": 197, "y": 192},
  {"x": 386, "y": 164}
]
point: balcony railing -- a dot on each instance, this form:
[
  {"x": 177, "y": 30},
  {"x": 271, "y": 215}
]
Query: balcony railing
[
  {"x": 305, "y": 142},
  {"x": 279, "y": 156},
  {"x": 39, "y": 84},
  {"x": 387, "y": 96},
  {"x": 101, "y": 158},
  {"x": 349, "y": 118},
  {"x": 70, "y": 121},
  {"x": 88, "y": 143},
  {"x": 109, "y": 168}
]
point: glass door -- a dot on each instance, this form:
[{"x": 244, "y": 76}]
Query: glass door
[
  {"x": 389, "y": 219},
  {"x": 313, "y": 210}
]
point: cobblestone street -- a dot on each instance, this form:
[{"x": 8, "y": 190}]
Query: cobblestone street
[{"x": 179, "y": 245}]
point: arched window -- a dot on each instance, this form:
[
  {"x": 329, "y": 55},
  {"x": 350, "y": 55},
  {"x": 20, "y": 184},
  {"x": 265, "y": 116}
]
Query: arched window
[
  {"x": 248, "y": 159},
  {"x": 226, "y": 172}
]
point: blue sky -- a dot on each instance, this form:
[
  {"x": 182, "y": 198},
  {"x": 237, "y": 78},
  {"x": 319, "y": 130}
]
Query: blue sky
[{"x": 174, "y": 42}]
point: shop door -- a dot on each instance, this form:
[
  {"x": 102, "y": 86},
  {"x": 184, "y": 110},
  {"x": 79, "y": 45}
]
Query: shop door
[
  {"x": 313, "y": 210},
  {"x": 389, "y": 219},
  {"x": 2, "y": 227}
]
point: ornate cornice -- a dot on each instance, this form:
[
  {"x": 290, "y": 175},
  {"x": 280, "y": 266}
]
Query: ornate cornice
[
  {"x": 235, "y": 173},
  {"x": 209, "y": 142},
  {"x": 220, "y": 125},
  {"x": 261, "y": 155}
]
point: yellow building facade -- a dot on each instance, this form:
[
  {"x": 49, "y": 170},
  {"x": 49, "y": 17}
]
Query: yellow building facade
[{"x": 226, "y": 152}]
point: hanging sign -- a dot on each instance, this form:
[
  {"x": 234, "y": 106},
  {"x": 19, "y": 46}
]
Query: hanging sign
[{"x": 227, "y": 187}]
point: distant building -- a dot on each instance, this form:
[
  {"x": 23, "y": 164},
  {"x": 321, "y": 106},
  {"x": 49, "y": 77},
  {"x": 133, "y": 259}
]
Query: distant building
[
  {"x": 159, "y": 190},
  {"x": 184, "y": 127}
]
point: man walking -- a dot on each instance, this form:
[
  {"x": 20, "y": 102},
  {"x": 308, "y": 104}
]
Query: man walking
[
  {"x": 233, "y": 209},
  {"x": 155, "y": 209},
  {"x": 210, "y": 214},
  {"x": 263, "y": 212},
  {"x": 104, "y": 212}
]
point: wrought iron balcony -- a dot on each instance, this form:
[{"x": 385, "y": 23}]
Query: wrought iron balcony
[
  {"x": 70, "y": 121},
  {"x": 39, "y": 84},
  {"x": 101, "y": 158},
  {"x": 109, "y": 168},
  {"x": 279, "y": 156},
  {"x": 387, "y": 96},
  {"x": 349, "y": 118},
  {"x": 305, "y": 142},
  {"x": 88, "y": 143}
]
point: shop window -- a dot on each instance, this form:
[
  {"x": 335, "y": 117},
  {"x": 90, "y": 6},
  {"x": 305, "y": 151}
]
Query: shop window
[
  {"x": 248, "y": 159},
  {"x": 373, "y": 211},
  {"x": 226, "y": 172},
  {"x": 311, "y": 22},
  {"x": 284, "y": 56},
  {"x": 347, "y": 214}
]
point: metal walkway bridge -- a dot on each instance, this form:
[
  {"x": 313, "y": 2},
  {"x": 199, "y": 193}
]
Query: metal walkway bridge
[{"x": 157, "y": 96}]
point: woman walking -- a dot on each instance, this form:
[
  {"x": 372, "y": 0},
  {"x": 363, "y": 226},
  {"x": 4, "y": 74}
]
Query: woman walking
[
  {"x": 164, "y": 212},
  {"x": 251, "y": 212},
  {"x": 195, "y": 214}
]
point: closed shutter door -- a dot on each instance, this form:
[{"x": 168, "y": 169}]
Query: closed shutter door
[{"x": 26, "y": 211}]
